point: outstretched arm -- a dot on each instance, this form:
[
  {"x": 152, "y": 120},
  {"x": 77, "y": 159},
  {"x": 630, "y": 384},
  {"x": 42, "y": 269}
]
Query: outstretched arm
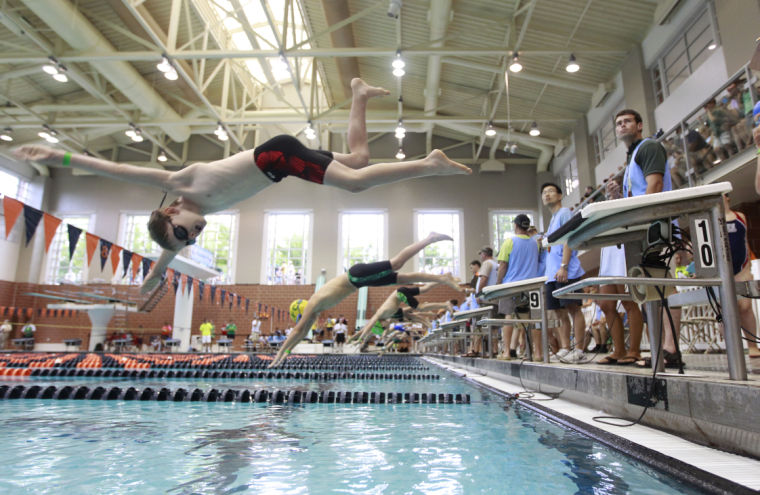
[
  {"x": 155, "y": 275},
  {"x": 152, "y": 177}
]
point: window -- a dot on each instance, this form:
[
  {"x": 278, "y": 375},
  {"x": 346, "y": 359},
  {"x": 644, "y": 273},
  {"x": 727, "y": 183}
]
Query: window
[
  {"x": 362, "y": 238},
  {"x": 219, "y": 237},
  {"x": 604, "y": 137},
  {"x": 61, "y": 269},
  {"x": 136, "y": 237},
  {"x": 569, "y": 176},
  {"x": 17, "y": 188},
  {"x": 685, "y": 55},
  {"x": 287, "y": 254},
  {"x": 441, "y": 257},
  {"x": 13, "y": 186},
  {"x": 502, "y": 226}
]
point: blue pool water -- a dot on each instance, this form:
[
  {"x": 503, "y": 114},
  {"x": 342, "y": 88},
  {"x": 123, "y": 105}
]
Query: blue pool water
[{"x": 487, "y": 446}]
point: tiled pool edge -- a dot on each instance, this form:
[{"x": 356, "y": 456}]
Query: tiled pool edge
[{"x": 712, "y": 481}]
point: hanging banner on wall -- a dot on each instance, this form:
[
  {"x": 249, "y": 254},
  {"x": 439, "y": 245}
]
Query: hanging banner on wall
[
  {"x": 92, "y": 245},
  {"x": 213, "y": 294},
  {"x": 105, "y": 248},
  {"x": 136, "y": 262},
  {"x": 145, "y": 267},
  {"x": 50, "y": 225},
  {"x": 126, "y": 258},
  {"x": 74, "y": 233},
  {"x": 247, "y": 303},
  {"x": 12, "y": 208},
  {"x": 222, "y": 297},
  {"x": 32, "y": 217},
  {"x": 201, "y": 288},
  {"x": 115, "y": 251}
]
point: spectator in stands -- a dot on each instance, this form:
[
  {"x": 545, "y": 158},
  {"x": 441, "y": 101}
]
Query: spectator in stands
[
  {"x": 5, "y": 330},
  {"x": 474, "y": 268},
  {"x": 720, "y": 122},
  {"x": 340, "y": 329},
  {"x": 487, "y": 275},
  {"x": 518, "y": 260},
  {"x": 562, "y": 268},
  {"x": 739, "y": 105},
  {"x": 166, "y": 331}
]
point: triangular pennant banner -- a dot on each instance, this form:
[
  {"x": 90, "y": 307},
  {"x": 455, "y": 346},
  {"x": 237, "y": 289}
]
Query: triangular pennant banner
[
  {"x": 115, "y": 251},
  {"x": 201, "y": 288},
  {"x": 105, "y": 248},
  {"x": 189, "y": 285},
  {"x": 32, "y": 217},
  {"x": 136, "y": 262},
  {"x": 239, "y": 299},
  {"x": 126, "y": 259},
  {"x": 50, "y": 224},
  {"x": 247, "y": 303},
  {"x": 175, "y": 280},
  {"x": 92, "y": 245},
  {"x": 74, "y": 233},
  {"x": 213, "y": 294},
  {"x": 145, "y": 267},
  {"x": 222, "y": 297},
  {"x": 12, "y": 209}
]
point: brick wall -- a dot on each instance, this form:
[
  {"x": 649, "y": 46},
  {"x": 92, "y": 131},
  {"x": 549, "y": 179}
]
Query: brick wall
[{"x": 56, "y": 329}]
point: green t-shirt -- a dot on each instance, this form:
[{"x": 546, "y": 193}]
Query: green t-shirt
[
  {"x": 651, "y": 157},
  {"x": 231, "y": 329}
]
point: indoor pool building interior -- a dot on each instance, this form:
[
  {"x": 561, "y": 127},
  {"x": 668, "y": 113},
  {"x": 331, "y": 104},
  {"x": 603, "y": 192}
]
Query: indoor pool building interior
[{"x": 380, "y": 246}]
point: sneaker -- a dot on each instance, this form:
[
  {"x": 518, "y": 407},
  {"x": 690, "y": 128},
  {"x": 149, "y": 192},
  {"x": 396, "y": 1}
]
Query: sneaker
[
  {"x": 574, "y": 356},
  {"x": 562, "y": 353}
]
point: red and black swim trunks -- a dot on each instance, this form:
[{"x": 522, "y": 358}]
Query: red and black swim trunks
[{"x": 285, "y": 155}]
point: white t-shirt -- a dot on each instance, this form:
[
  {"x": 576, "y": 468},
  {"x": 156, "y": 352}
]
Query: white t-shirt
[
  {"x": 340, "y": 328},
  {"x": 489, "y": 268},
  {"x": 255, "y": 326}
]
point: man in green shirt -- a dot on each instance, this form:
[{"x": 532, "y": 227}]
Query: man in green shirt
[{"x": 231, "y": 328}]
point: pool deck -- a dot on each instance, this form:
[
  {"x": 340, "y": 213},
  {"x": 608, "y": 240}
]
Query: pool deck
[{"x": 695, "y": 410}]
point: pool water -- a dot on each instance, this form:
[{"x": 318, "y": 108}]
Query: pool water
[{"x": 488, "y": 446}]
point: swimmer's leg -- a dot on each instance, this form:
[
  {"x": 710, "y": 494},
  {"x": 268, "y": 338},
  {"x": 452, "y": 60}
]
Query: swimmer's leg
[
  {"x": 436, "y": 163},
  {"x": 357, "y": 124},
  {"x": 408, "y": 252}
]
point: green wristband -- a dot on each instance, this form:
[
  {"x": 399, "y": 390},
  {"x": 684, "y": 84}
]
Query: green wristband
[
  {"x": 66, "y": 159},
  {"x": 287, "y": 352}
]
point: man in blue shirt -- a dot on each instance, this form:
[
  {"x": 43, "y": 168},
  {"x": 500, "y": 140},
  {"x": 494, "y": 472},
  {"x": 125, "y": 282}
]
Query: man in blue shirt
[
  {"x": 518, "y": 260},
  {"x": 562, "y": 268}
]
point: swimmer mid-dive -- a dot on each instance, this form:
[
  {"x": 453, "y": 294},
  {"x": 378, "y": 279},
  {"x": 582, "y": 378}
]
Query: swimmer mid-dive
[
  {"x": 363, "y": 275},
  {"x": 207, "y": 187},
  {"x": 391, "y": 309}
]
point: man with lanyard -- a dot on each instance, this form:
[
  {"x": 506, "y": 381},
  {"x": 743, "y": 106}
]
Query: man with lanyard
[
  {"x": 518, "y": 260},
  {"x": 562, "y": 268},
  {"x": 646, "y": 173}
]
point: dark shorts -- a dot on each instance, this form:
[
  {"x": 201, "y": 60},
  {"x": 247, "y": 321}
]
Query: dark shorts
[
  {"x": 554, "y": 303},
  {"x": 406, "y": 295},
  {"x": 372, "y": 274},
  {"x": 340, "y": 338},
  {"x": 285, "y": 155}
]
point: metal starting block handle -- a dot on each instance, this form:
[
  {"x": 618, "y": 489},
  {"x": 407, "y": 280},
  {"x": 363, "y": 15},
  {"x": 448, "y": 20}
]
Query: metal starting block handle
[
  {"x": 573, "y": 291},
  {"x": 453, "y": 324},
  {"x": 473, "y": 313},
  {"x": 493, "y": 292}
]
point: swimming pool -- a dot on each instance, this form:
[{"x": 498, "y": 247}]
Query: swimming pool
[{"x": 487, "y": 446}]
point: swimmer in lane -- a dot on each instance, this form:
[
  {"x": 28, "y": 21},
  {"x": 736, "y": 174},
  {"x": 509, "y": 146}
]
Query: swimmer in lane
[
  {"x": 208, "y": 187},
  {"x": 363, "y": 275},
  {"x": 391, "y": 309}
]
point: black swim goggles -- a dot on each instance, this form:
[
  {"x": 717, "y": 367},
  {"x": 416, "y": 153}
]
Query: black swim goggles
[{"x": 181, "y": 234}]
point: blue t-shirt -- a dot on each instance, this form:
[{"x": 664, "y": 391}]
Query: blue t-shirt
[
  {"x": 521, "y": 255},
  {"x": 554, "y": 256}
]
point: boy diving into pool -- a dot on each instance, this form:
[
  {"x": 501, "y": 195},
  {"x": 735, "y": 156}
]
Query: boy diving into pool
[
  {"x": 391, "y": 309},
  {"x": 207, "y": 187},
  {"x": 363, "y": 275}
]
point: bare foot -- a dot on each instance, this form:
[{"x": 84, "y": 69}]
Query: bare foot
[
  {"x": 435, "y": 237},
  {"x": 445, "y": 166},
  {"x": 452, "y": 281},
  {"x": 360, "y": 88}
]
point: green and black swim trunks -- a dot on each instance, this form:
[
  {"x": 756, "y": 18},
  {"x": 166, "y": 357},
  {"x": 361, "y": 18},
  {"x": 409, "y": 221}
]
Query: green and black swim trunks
[{"x": 372, "y": 274}]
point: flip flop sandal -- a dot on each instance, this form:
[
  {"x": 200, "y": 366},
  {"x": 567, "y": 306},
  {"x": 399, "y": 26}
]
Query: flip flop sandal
[
  {"x": 607, "y": 360},
  {"x": 628, "y": 360}
]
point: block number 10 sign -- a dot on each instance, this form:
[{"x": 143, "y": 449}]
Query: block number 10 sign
[{"x": 705, "y": 251}]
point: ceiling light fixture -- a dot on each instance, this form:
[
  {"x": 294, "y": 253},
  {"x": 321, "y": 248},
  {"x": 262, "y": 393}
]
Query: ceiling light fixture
[
  {"x": 400, "y": 130},
  {"x": 398, "y": 65},
  {"x": 712, "y": 46},
  {"x": 56, "y": 69},
  {"x": 400, "y": 155},
  {"x": 221, "y": 132},
  {"x": 162, "y": 156},
  {"x": 515, "y": 66},
  {"x": 6, "y": 135},
  {"x": 134, "y": 133},
  {"x": 309, "y": 132},
  {"x": 534, "y": 130},
  {"x": 490, "y": 131},
  {"x": 49, "y": 134},
  {"x": 572, "y": 65}
]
